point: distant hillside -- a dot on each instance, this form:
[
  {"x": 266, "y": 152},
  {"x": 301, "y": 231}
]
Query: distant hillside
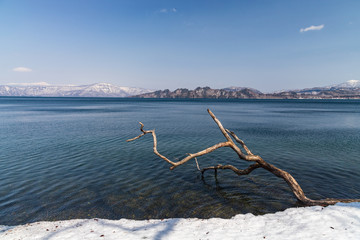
[
  {"x": 234, "y": 89},
  {"x": 205, "y": 92},
  {"x": 347, "y": 90},
  {"x": 45, "y": 90}
]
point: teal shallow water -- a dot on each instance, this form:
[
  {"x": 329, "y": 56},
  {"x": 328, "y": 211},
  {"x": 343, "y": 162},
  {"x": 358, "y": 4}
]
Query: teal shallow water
[{"x": 65, "y": 158}]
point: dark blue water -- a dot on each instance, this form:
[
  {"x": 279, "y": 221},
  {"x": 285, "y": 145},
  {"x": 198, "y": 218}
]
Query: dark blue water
[{"x": 64, "y": 158}]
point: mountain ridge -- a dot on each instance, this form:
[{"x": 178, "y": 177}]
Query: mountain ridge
[
  {"x": 348, "y": 89},
  {"x": 202, "y": 92},
  {"x": 43, "y": 89}
]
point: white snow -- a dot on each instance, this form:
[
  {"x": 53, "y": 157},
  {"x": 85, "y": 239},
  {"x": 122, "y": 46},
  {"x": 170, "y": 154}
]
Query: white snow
[
  {"x": 341, "y": 221},
  {"x": 348, "y": 84},
  {"x": 46, "y": 90}
]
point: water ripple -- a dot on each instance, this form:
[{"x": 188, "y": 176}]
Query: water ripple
[{"x": 67, "y": 158}]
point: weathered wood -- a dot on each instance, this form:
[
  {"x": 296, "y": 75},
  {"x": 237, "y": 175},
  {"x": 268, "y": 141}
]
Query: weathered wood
[
  {"x": 234, "y": 169},
  {"x": 249, "y": 156}
]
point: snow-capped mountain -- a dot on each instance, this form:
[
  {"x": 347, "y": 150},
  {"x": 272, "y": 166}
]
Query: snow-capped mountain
[
  {"x": 46, "y": 90},
  {"x": 348, "y": 89},
  {"x": 351, "y": 85},
  {"x": 347, "y": 84}
]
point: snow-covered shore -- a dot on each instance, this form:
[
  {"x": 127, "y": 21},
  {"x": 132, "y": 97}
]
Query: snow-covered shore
[{"x": 341, "y": 221}]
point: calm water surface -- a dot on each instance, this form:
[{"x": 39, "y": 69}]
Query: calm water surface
[{"x": 64, "y": 158}]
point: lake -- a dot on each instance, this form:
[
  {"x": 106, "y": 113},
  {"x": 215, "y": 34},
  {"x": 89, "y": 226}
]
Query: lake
[{"x": 65, "y": 158}]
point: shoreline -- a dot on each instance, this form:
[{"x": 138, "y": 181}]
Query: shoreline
[{"x": 341, "y": 221}]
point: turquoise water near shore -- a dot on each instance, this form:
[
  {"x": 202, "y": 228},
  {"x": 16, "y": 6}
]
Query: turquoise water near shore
[{"x": 64, "y": 158}]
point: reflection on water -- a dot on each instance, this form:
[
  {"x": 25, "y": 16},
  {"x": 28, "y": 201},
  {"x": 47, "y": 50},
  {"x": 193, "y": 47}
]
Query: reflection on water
[{"x": 64, "y": 158}]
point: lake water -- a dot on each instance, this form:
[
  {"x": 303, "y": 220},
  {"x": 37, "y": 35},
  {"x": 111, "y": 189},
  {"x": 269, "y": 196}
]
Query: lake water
[{"x": 65, "y": 158}]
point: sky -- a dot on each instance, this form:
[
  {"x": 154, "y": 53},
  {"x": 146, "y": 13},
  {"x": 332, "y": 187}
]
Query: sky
[{"x": 169, "y": 44}]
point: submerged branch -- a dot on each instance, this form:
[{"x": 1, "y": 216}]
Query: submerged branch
[
  {"x": 249, "y": 156},
  {"x": 234, "y": 169}
]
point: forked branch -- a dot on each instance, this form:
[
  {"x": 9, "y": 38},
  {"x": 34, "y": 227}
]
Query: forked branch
[{"x": 258, "y": 162}]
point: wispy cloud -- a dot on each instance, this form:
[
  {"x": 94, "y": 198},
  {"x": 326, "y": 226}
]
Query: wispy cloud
[
  {"x": 22, "y": 69},
  {"x": 312, "y": 28},
  {"x": 168, "y": 10}
]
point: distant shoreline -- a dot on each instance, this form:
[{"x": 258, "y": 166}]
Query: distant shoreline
[
  {"x": 179, "y": 98},
  {"x": 346, "y": 90}
]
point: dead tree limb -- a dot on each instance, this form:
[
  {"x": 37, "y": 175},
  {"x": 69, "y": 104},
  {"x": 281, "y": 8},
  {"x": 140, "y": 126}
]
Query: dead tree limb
[{"x": 258, "y": 162}]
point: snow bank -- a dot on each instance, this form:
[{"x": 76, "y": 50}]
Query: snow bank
[{"x": 341, "y": 221}]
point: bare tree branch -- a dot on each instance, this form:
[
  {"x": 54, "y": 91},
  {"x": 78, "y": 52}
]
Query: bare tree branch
[
  {"x": 234, "y": 169},
  {"x": 222, "y": 129},
  {"x": 240, "y": 141},
  {"x": 249, "y": 156},
  {"x": 154, "y": 139},
  {"x": 184, "y": 160},
  {"x": 197, "y": 165}
]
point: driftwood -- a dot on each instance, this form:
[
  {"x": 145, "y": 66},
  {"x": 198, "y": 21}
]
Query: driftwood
[{"x": 257, "y": 162}]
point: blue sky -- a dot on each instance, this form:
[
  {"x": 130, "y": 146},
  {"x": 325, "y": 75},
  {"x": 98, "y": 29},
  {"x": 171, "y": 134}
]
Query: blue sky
[{"x": 267, "y": 45}]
